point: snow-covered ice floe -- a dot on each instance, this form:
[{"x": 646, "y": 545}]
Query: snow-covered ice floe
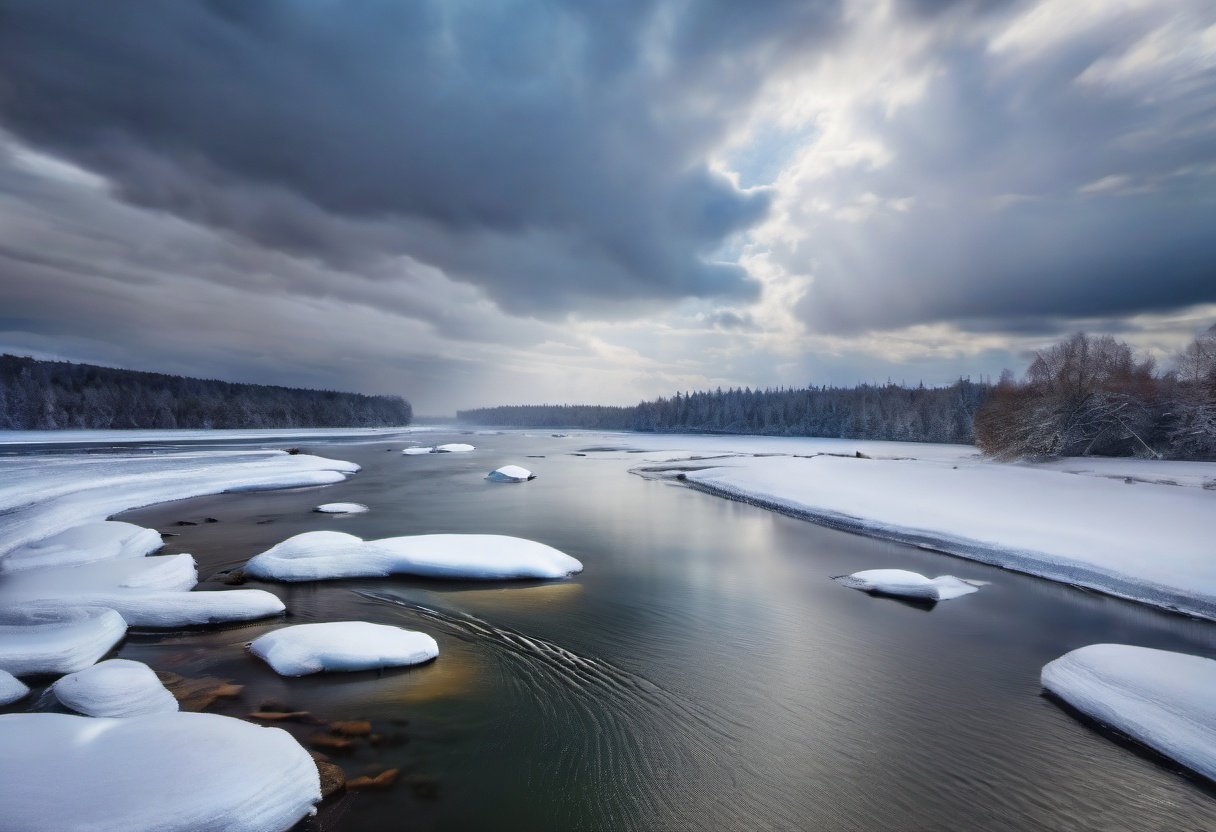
[
  {"x": 418, "y": 451},
  {"x": 905, "y": 584},
  {"x": 50, "y": 640},
  {"x": 342, "y": 646},
  {"x": 510, "y": 473},
  {"x": 85, "y": 543},
  {"x": 11, "y": 688},
  {"x": 178, "y": 772},
  {"x": 316, "y": 556},
  {"x": 1144, "y": 541},
  {"x": 115, "y": 687},
  {"x": 147, "y": 592},
  {"x": 342, "y": 508},
  {"x": 453, "y": 448},
  {"x": 1162, "y": 699}
]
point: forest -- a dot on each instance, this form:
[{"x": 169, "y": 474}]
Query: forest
[{"x": 49, "y": 395}]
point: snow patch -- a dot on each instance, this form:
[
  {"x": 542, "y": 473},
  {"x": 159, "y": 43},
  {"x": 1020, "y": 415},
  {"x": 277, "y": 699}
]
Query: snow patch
[
  {"x": 115, "y": 687},
  {"x": 11, "y": 688},
  {"x": 905, "y": 584},
  {"x": 510, "y": 473},
  {"x": 417, "y": 451},
  {"x": 315, "y": 556},
  {"x": 85, "y": 543},
  {"x": 342, "y": 646},
  {"x": 180, "y": 771},
  {"x": 1162, "y": 699},
  {"x": 342, "y": 508},
  {"x": 453, "y": 448},
  {"x": 50, "y": 640}
]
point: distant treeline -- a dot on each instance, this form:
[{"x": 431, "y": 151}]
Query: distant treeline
[
  {"x": 890, "y": 411},
  {"x": 48, "y": 395}
]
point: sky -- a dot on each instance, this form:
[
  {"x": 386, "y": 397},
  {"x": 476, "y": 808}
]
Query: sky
[{"x": 475, "y": 202}]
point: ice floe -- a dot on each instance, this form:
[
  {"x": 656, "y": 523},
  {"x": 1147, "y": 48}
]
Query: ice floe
[
  {"x": 1162, "y": 699},
  {"x": 510, "y": 473},
  {"x": 453, "y": 448},
  {"x": 418, "y": 451},
  {"x": 342, "y": 646},
  {"x": 11, "y": 688},
  {"x": 314, "y": 556},
  {"x": 178, "y": 772},
  {"x": 905, "y": 584},
  {"x": 115, "y": 687},
  {"x": 49, "y": 640},
  {"x": 85, "y": 543},
  {"x": 342, "y": 508}
]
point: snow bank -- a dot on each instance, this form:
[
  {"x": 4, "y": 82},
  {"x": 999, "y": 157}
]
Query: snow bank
[
  {"x": 905, "y": 584},
  {"x": 315, "y": 556},
  {"x": 85, "y": 543},
  {"x": 453, "y": 448},
  {"x": 342, "y": 508},
  {"x": 510, "y": 473},
  {"x": 417, "y": 451},
  {"x": 11, "y": 688},
  {"x": 49, "y": 640},
  {"x": 342, "y": 646},
  {"x": 1148, "y": 542},
  {"x": 179, "y": 772},
  {"x": 44, "y": 494},
  {"x": 115, "y": 687},
  {"x": 1165, "y": 700},
  {"x": 147, "y": 592}
]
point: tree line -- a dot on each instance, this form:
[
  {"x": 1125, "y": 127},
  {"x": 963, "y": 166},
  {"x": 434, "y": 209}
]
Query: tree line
[
  {"x": 888, "y": 411},
  {"x": 48, "y": 395},
  {"x": 1094, "y": 395}
]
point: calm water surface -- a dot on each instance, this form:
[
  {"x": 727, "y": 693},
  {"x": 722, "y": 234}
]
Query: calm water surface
[{"x": 703, "y": 672}]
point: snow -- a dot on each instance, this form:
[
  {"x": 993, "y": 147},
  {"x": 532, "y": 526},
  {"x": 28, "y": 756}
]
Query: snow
[
  {"x": 178, "y": 772},
  {"x": 49, "y": 640},
  {"x": 147, "y": 592},
  {"x": 11, "y": 688},
  {"x": 510, "y": 473},
  {"x": 905, "y": 584},
  {"x": 314, "y": 556},
  {"x": 116, "y": 687},
  {"x": 141, "y": 436},
  {"x": 342, "y": 646},
  {"x": 43, "y": 494},
  {"x": 1145, "y": 541},
  {"x": 453, "y": 448},
  {"x": 417, "y": 451},
  {"x": 85, "y": 543},
  {"x": 342, "y": 508},
  {"x": 1162, "y": 699}
]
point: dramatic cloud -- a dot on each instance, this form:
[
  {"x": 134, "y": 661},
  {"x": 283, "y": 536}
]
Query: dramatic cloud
[{"x": 523, "y": 201}]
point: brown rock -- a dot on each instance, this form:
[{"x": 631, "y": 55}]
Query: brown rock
[
  {"x": 282, "y": 716},
  {"x": 383, "y": 780},
  {"x": 329, "y": 742},
  {"x": 333, "y": 779},
  {"x": 351, "y": 728},
  {"x": 199, "y": 693}
]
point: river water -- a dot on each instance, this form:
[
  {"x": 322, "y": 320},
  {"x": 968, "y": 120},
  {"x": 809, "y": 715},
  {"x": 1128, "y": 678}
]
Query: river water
[{"x": 703, "y": 672}]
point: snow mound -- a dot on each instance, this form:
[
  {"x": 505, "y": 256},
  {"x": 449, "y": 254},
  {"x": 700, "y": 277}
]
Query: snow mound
[
  {"x": 417, "y": 451},
  {"x": 86, "y": 543},
  {"x": 179, "y": 772},
  {"x": 510, "y": 473},
  {"x": 1162, "y": 699},
  {"x": 905, "y": 584},
  {"x": 115, "y": 687},
  {"x": 342, "y": 646},
  {"x": 186, "y": 609},
  {"x": 315, "y": 556},
  {"x": 453, "y": 448},
  {"x": 49, "y": 640},
  {"x": 342, "y": 508},
  {"x": 11, "y": 688}
]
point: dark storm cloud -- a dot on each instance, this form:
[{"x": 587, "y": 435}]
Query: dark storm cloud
[
  {"x": 1045, "y": 180},
  {"x": 547, "y": 152}
]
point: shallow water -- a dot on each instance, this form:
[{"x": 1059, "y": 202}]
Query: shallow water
[{"x": 703, "y": 672}]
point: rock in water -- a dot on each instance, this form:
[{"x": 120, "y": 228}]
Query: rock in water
[
  {"x": 48, "y": 640},
  {"x": 342, "y": 508},
  {"x": 904, "y": 584},
  {"x": 117, "y": 688},
  {"x": 342, "y": 646},
  {"x": 510, "y": 473}
]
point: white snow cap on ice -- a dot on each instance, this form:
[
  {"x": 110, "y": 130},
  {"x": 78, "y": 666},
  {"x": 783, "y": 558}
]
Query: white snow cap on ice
[
  {"x": 48, "y": 640},
  {"x": 342, "y": 508},
  {"x": 115, "y": 687},
  {"x": 86, "y": 543},
  {"x": 342, "y": 646},
  {"x": 510, "y": 473},
  {"x": 183, "y": 772},
  {"x": 1163, "y": 699},
  {"x": 11, "y": 688},
  {"x": 905, "y": 584},
  {"x": 316, "y": 556},
  {"x": 453, "y": 448},
  {"x": 417, "y": 451}
]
